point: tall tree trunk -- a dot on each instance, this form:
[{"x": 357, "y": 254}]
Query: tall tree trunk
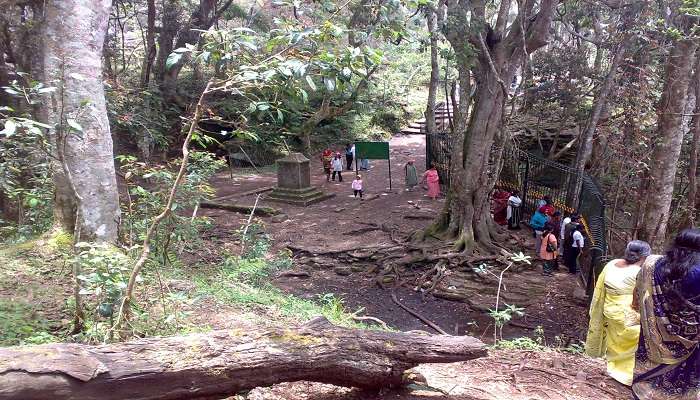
[
  {"x": 499, "y": 52},
  {"x": 150, "y": 50},
  {"x": 201, "y": 20},
  {"x": 669, "y": 134},
  {"x": 585, "y": 148},
  {"x": 693, "y": 201},
  {"x": 430, "y": 124},
  {"x": 73, "y": 36}
]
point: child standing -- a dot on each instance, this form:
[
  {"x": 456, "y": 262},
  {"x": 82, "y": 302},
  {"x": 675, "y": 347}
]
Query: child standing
[
  {"x": 327, "y": 159},
  {"x": 337, "y": 167},
  {"x": 411, "y": 176},
  {"x": 357, "y": 186}
]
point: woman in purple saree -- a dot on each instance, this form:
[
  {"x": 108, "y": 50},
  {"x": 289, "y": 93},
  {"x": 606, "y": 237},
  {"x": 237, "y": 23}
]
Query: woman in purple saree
[{"x": 667, "y": 363}]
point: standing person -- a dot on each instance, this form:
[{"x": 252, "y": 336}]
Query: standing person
[
  {"x": 577, "y": 243},
  {"x": 667, "y": 295},
  {"x": 561, "y": 231},
  {"x": 499, "y": 206},
  {"x": 543, "y": 201},
  {"x": 513, "y": 213},
  {"x": 568, "y": 237},
  {"x": 548, "y": 249},
  {"x": 411, "y": 175},
  {"x": 327, "y": 160},
  {"x": 349, "y": 155},
  {"x": 547, "y": 207},
  {"x": 337, "y": 165},
  {"x": 537, "y": 222},
  {"x": 613, "y": 329},
  {"x": 357, "y": 186},
  {"x": 364, "y": 164},
  {"x": 432, "y": 178}
]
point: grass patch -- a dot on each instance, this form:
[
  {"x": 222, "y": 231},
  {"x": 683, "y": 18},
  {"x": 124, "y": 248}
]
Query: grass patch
[
  {"x": 242, "y": 282},
  {"x": 20, "y": 323}
]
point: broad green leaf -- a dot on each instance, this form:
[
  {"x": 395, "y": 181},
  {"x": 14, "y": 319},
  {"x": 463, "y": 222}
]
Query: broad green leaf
[
  {"x": 74, "y": 125},
  {"x": 10, "y": 128},
  {"x": 311, "y": 83},
  {"x": 173, "y": 59}
]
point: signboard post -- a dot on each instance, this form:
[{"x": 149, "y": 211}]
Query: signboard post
[{"x": 373, "y": 151}]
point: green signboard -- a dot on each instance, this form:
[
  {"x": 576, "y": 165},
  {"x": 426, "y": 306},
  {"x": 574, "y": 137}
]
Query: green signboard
[{"x": 372, "y": 150}]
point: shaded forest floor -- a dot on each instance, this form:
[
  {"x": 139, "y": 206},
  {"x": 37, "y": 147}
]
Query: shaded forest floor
[{"x": 212, "y": 288}]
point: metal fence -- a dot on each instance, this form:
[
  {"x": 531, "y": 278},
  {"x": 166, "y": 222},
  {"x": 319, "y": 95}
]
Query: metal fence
[{"x": 536, "y": 177}]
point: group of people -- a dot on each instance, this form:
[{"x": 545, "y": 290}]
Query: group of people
[
  {"x": 645, "y": 319},
  {"x": 431, "y": 178},
  {"x": 333, "y": 165},
  {"x": 554, "y": 236}
]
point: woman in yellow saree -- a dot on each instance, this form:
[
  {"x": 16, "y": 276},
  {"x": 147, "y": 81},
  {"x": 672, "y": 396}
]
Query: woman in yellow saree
[
  {"x": 668, "y": 296},
  {"x": 613, "y": 330}
]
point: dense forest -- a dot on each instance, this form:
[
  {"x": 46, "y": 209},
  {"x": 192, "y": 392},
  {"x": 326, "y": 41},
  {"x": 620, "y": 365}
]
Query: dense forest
[{"x": 139, "y": 167}]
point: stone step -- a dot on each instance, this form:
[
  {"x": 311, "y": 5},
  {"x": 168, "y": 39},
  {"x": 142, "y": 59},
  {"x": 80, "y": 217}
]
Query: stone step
[{"x": 301, "y": 197}]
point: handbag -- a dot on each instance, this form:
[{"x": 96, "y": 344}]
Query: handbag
[{"x": 550, "y": 247}]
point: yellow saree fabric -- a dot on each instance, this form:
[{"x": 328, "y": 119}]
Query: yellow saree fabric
[{"x": 613, "y": 330}]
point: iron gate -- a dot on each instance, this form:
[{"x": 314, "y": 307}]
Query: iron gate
[{"x": 536, "y": 177}]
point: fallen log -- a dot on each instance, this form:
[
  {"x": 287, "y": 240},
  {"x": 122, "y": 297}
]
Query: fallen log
[
  {"x": 221, "y": 363},
  {"x": 259, "y": 211}
]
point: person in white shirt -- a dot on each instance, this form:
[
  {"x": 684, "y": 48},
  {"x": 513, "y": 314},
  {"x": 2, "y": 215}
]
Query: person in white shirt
[
  {"x": 513, "y": 212},
  {"x": 337, "y": 165},
  {"x": 566, "y": 222},
  {"x": 576, "y": 246}
]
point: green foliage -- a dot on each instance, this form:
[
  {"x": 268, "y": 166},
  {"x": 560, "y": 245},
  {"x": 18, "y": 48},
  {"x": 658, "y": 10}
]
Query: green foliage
[
  {"x": 25, "y": 175},
  {"x": 148, "y": 191},
  {"x": 20, "y": 323}
]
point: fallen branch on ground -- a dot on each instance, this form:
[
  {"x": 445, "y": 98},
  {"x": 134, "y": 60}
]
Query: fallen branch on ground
[
  {"x": 259, "y": 211},
  {"x": 417, "y": 315},
  {"x": 222, "y": 363}
]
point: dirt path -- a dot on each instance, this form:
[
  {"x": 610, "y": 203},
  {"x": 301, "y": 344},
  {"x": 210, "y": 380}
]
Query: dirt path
[{"x": 329, "y": 225}]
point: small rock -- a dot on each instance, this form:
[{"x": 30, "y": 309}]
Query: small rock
[
  {"x": 580, "y": 296},
  {"x": 581, "y": 376},
  {"x": 343, "y": 271},
  {"x": 357, "y": 268},
  {"x": 279, "y": 218},
  {"x": 179, "y": 285},
  {"x": 339, "y": 209}
]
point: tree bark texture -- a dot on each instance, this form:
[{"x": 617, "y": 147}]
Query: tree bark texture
[
  {"x": 499, "y": 52},
  {"x": 669, "y": 140},
  {"x": 222, "y": 363},
  {"x": 73, "y": 36},
  {"x": 430, "y": 124},
  {"x": 693, "y": 202},
  {"x": 585, "y": 148},
  {"x": 150, "y": 55}
]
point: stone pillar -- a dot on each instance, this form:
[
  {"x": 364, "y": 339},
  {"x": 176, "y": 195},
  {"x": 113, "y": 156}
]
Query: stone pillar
[{"x": 294, "y": 182}]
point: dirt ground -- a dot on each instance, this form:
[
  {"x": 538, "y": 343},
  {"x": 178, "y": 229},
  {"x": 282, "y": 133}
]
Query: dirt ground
[
  {"x": 344, "y": 222},
  {"x": 329, "y": 225}
]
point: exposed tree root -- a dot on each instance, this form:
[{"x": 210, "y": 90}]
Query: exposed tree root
[{"x": 417, "y": 315}]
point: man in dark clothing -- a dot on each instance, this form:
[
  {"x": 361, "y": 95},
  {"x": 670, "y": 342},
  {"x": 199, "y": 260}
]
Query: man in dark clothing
[{"x": 569, "y": 251}]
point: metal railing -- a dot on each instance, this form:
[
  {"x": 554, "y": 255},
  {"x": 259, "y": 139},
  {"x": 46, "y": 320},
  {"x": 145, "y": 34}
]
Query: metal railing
[{"x": 536, "y": 177}]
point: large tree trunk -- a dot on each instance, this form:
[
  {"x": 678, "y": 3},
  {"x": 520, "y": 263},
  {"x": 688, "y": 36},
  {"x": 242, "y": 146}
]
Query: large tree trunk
[
  {"x": 223, "y": 363},
  {"x": 669, "y": 134},
  {"x": 585, "y": 148},
  {"x": 86, "y": 184},
  {"x": 150, "y": 50},
  {"x": 693, "y": 201},
  {"x": 499, "y": 52},
  {"x": 201, "y": 20},
  {"x": 430, "y": 125}
]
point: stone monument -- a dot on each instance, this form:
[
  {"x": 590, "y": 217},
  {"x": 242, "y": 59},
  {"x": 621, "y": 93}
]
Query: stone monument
[{"x": 294, "y": 182}]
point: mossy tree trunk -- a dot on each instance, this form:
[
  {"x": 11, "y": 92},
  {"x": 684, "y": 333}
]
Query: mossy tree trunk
[{"x": 491, "y": 55}]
